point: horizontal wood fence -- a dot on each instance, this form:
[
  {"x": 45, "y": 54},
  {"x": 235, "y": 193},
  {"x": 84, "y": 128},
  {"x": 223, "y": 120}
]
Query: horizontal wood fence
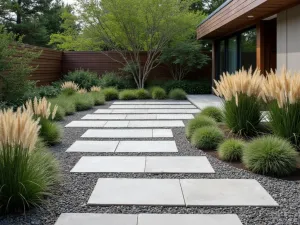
[{"x": 52, "y": 64}]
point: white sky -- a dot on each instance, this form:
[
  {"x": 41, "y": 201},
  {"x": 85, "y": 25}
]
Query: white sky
[{"x": 70, "y": 2}]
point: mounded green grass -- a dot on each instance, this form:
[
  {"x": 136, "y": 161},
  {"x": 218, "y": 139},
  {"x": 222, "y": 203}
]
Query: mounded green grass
[
  {"x": 50, "y": 131},
  {"x": 127, "y": 94},
  {"x": 177, "y": 94},
  {"x": 208, "y": 137},
  {"x": 158, "y": 93},
  {"x": 65, "y": 103},
  {"x": 213, "y": 112},
  {"x": 110, "y": 94},
  {"x": 68, "y": 91},
  {"x": 60, "y": 112},
  {"x": 83, "y": 101},
  {"x": 99, "y": 98},
  {"x": 231, "y": 150},
  {"x": 270, "y": 155},
  {"x": 142, "y": 94},
  {"x": 26, "y": 178},
  {"x": 198, "y": 122}
]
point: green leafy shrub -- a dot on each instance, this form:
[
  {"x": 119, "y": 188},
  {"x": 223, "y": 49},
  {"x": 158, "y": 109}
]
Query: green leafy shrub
[
  {"x": 270, "y": 155},
  {"x": 208, "y": 137},
  {"x": 127, "y": 95},
  {"x": 158, "y": 93},
  {"x": 110, "y": 93},
  {"x": 83, "y": 101},
  {"x": 198, "y": 122},
  {"x": 177, "y": 94},
  {"x": 67, "y": 104},
  {"x": 142, "y": 94},
  {"x": 50, "y": 131},
  {"x": 213, "y": 112},
  {"x": 84, "y": 79},
  {"x": 49, "y": 91},
  {"x": 98, "y": 97},
  {"x": 111, "y": 79},
  {"x": 231, "y": 150}
]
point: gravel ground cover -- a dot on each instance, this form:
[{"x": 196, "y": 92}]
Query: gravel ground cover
[{"x": 75, "y": 189}]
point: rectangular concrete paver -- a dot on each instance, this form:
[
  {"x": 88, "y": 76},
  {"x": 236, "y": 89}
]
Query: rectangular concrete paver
[
  {"x": 110, "y": 164},
  {"x": 146, "y": 111},
  {"x": 172, "y": 111},
  {"x": 104, "y": 117},
  {"x": 147, "y": 146},
  {"x": 96, "y": 219},
  {"x": 152, "y": 107},
  {"x": 178, "y": 164},
  {"x": 225, "y": 192},
  {"x": 151, "y": 103},
  {"x": 119, "y": 191},
  {"x": 86, "y": 124},
  {"x": 188, "y": 219},
  {"x": 116, "y": 124},
  {"x": 141, "y": 117},
  {"x": 156, "y": 123},
  {"x": 93, "y": 146},
  {"x": 127, "y": 133},
  {"x": 138, "y": 117},
  {"x": 175, "y": 116},
  {"x": 103, "y": 111}
]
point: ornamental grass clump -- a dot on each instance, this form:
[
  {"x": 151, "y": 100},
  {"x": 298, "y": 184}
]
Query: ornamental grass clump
[
  {"x": 158, "y": 93},
  {"x": 231, "y": 150},
  {"x": 212, "y": 112},
  {"x": 207, "y": 137},
  {"x": 142, "y": 94},
  {"x": 69, "y": 88},
  {"x": 177, "y": 94},
  {"x": 110, "y": 93},
  {"x": 82, "y": 91},
  {"x": 28, "y": 172},
  {"x": 95, "y": 89},
  {"x": 198, "y": 122},
  {"x": 127, "y": 95},
  {"x": 281, "y": 91},
  {"x": 241, "y": 92},
  {"x": 270, "y": 155},
  {"x": 83, "y": 101}
]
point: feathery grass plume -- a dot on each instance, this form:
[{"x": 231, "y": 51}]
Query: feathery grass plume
[
  {"x": 281, "y": 91},
  {"x": 82, "y": 91},
  {"x": 70, "y": 85},
  {"x": 95, "y": 89},
  {"x": 41, "y": 108},
  {"x": 18, "y": 129},
  {"x": 241, "y": 92}
]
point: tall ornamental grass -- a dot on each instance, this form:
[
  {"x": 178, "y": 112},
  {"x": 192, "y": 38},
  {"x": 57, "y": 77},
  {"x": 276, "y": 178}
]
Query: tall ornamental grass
[
  {"x": 241, "y": 93},
  {"x": 281, "y": 91},
  {"x": 28, "y": 172}
]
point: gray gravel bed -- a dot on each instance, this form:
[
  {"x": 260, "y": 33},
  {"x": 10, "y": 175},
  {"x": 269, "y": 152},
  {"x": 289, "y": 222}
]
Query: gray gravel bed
[{"x": 75, "y": 189}]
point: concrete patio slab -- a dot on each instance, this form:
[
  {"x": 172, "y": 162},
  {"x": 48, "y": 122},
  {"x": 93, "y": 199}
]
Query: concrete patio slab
[
  {"x": 175, "y": 116},
  {"x": 96, "y": 219},
  {"x": 156, "y": 123},
  {"x": 147, "y": 111},
  {"x": 117, "y": 124},
  {"x": 119, "y": 191},
  {"x": 93, "y": 146},
  {"x": 150, "y": 102},
  {"x": 127, "y": 133},
  {"x": 86, "y": 124},
  {"x": 203, "y": 101},
  {"x": 141, "y": 117},
  {"x": 104, "y": 117},
  {"x": 147, "y": 146},
  {"x": 225, "y": 192},
  {"x": 166, "y": 133},
  {"x": 173, "y": 111},
  {"x": 152, "y": 107},
  {"x": 188, "y": 219}
]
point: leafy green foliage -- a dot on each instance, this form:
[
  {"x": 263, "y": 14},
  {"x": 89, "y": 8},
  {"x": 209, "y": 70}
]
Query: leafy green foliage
[
  {"x": 60, "y": 113},
  {"x": 48, "y": 91},
  {"x": 142, "y": 94},
  {"x": 26, "y": 177},
  {"x": 285, "y": 121},
  {"x": 110, "y": 93},
  {"x": 245, "y": 117},
  {"x": 207, "y": 137},
  {"x": 270, "y": 155},
  {"x": 50, "y": 131},
  {"x": 213, "y": 112},
  {"x": 198, "y": 122},
  {"x": 183, "y": 57},
  {"x": 99, "y": 98},
  {"x": 158, "y": 93},
  {"x": 65, "y": 103},
  {"x": 84, "y": 79},
  {"x": 127, "y": 95},
  {"x": 118, "y": 81},
  {"x": 177, "y": 94},
  {"x": 231, "y": 150},
  {"x": 206, "y": 6},
  {"x": 15, "y": 69},
  {"x": 83, "y": 101}
]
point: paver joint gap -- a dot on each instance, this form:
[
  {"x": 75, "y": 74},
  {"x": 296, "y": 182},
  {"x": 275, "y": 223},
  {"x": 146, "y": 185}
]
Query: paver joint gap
[
  {"x": 179, "y": 180},
  {"x": 117, "y": 146}
]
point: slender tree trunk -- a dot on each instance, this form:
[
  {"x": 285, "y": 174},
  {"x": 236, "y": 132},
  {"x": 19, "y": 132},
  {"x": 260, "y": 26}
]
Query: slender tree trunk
[{"x": 19, "y": 19}]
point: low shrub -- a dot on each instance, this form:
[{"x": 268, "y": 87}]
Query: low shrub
[
  {"x": 231, "y": 150},
  {"x": 158, "y": 93},
  {"x": 99, "y": 98},
  {"x": 28, "y": 172},
  {"x": 198, "y": 122},
  {"x": 64, "y": 103},
  {"x": 127, "y": 95},
  {"x": 142, "y": 94},
  {"x": 111, "y": 79},
  {"x": 60, "y": 113},
  {"x": 83, "y": 101},
  {"x": 177, "y": 94},
  {"x": 48, "y": 91},
  {"x": 110, "y": 94},
  {"x": 213, "y": 112},
  {"x": 270, "y": 155},
  {"x": 69, "y": 88},
  {"x": 84, "y": 79},
  {"x": 50, "y": 131},
  {"x": 208, "y": 137}
]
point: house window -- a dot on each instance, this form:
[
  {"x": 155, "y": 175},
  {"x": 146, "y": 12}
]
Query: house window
[{"x": 235, "y": 52}]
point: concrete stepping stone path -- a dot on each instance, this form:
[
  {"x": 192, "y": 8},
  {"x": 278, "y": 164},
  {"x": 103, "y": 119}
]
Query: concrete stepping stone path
[
  {"x": 123, "y": 146},
  {"x": 122, "y": 124},
  {"x": 184, "y": 192},
  {"x": 151, "y": 103},
  {"x": 147, "y": 219},
  {"x": 138, "y": 117},
  {"x": 128, "y": 133},
  {"x": 152, "y": 107},
  {"x": 143, "y": 164},
  {"x": 146, "y": 111}
]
